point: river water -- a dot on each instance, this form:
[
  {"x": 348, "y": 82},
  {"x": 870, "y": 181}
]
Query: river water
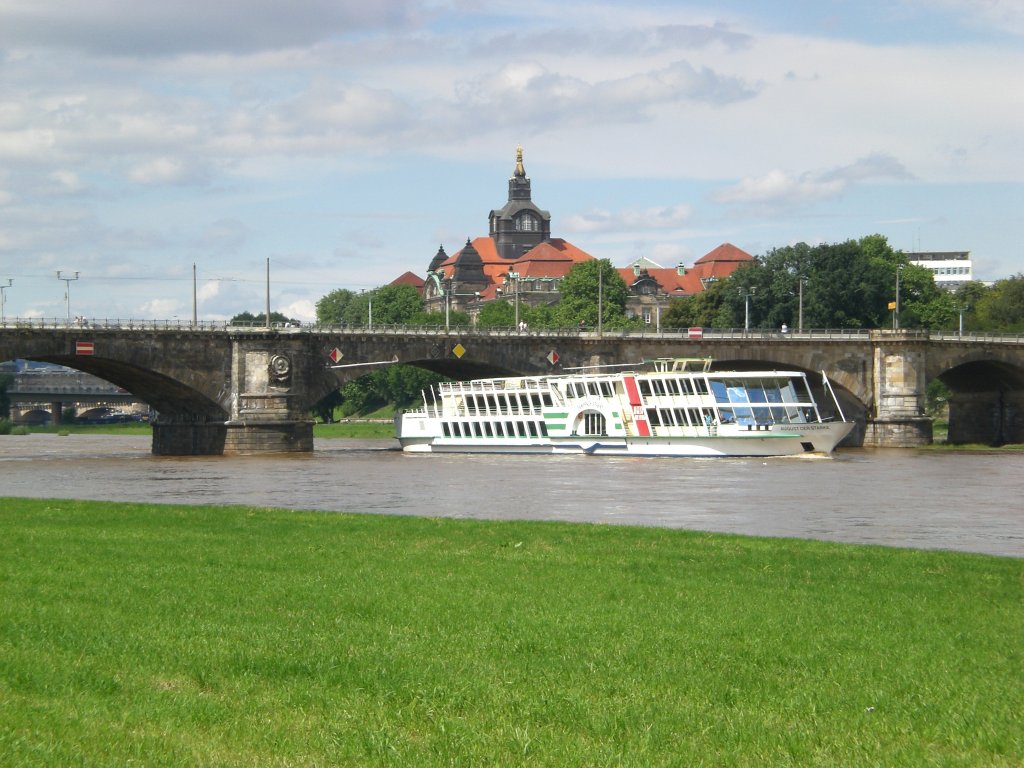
[{"x": 903, "y": 498}]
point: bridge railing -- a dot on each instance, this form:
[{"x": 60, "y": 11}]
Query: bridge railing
[{"x": 695, "y": 334}]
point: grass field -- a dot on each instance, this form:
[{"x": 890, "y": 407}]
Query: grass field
[{"x": 162, "y": 635}]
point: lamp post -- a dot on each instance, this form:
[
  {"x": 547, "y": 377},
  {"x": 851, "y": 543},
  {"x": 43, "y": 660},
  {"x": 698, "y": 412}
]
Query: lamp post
[
  {"x": 896, "y": 312},
  {"x": 369, "y": 309},
  {"x": 446, "y": 288},
  {"x": 513, "y": 278},
  {"x": 67, "y": 290},
  {"x": 600, "y": 297},
  {"x": 746, "y": 293},
  {"x": 3, "y": 299},
  {"x": 961, "y": 308},
  {"x": 802, "y": 281}
]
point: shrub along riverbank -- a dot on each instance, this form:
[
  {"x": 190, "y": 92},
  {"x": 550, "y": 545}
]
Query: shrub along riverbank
[{"x": 231, "y": 636}]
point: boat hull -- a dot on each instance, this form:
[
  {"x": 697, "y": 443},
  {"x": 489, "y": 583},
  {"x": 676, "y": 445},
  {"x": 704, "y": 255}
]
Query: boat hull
[{"x": 781, "y": 440}]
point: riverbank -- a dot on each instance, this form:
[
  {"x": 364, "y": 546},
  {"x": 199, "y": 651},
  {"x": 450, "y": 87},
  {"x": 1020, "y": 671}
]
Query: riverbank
[{"x": 241, "y": 636}]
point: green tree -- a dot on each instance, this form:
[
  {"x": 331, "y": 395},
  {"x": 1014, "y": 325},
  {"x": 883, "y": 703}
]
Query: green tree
[
  {"x": 331, "y": 309},
  {"x": 248, "y": 318},
  {"x": 1001, "y": 307},
  {"x": 843, "y": 285},
  {"x": 580, "y": 289},
  {"x": 497, "y": 314},
  {"x": 697, "y": 311}
]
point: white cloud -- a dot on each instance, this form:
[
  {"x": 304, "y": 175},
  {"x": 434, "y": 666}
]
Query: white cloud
[
  {"x": 667, "y": 217},
  {"x": 779, "y": 187}
]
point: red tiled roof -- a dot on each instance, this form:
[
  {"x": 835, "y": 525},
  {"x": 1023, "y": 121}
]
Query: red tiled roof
[
  {"x": 552, "y": 258},
  {"x": 409, "y": 279}
]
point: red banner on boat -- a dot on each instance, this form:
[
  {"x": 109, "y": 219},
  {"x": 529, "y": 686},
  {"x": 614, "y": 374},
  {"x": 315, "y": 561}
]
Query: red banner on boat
[{"x": 84, "y": 348}]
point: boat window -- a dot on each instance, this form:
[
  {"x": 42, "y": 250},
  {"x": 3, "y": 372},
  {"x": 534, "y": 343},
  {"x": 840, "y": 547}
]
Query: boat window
[
  {"x": 592, "y": 388},
  {"x": 720, "y": 390},
  {"x": 533, "y": 428},
  {"x": 546, "y": 399},
  {"x": 487, "y": 429},
  {"x": 700, "y": 386},
  {"x": 477, "y": 431},
  {"x": 652, "y": 416},
  {"x": 594, "y": 423},
  {"x": 543, "y": 429},
  {"x": 672, "y": 387},
  {"x": 446, "y": 428},
  {"x": 645, "y": 387},
  {"x": 606, "y": 388},
  {"x": 695, "y": 417},
  {"x": 510, "y": 429},
  {"x": 581, "y": 389},
  {"x": 659, "y": 386}
]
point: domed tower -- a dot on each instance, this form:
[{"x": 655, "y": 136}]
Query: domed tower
[{"x": 519, "y": 225}]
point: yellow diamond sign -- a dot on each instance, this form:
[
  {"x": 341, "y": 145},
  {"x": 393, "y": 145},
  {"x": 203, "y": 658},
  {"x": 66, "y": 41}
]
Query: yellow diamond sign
[{"x": 458, "y": 350}]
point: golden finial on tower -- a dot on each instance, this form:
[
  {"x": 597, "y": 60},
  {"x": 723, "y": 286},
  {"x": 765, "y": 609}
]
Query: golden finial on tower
[{"x": 520, "y": 170}]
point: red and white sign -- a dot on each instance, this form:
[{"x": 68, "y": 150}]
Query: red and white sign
[
  {"x": 335, "y": 355},
  {"x": 696, "y": 333},
  {"x": 553, "y": 357},
  {"x": 85, "y": 348}
]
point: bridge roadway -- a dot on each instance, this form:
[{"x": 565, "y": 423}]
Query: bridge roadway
[{"x": 229, "y": 389}]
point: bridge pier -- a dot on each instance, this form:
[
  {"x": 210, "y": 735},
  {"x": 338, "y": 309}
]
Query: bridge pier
[
  {"x": 266, "y": 413},
  {"x": 899, "y": 383}
]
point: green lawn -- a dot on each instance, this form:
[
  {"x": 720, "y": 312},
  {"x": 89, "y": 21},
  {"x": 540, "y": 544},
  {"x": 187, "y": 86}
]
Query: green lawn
[{"x": 226, "y": 636}]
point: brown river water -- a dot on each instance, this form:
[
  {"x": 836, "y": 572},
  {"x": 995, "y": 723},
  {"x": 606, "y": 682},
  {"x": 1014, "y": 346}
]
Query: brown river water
[{"x": 902, "y": 498}]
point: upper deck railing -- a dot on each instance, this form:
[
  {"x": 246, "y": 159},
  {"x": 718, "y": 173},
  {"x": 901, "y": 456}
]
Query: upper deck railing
[{"x": 707, "y": 334}]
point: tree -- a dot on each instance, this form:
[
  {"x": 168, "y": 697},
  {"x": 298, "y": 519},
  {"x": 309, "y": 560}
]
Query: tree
[
  {"x": 331, "y": 309},
  {"x": 497, "y": 314},
  {"x": 1001, "y": 307},
  {"x": 580, "y": 290},
  {"x": 698, "y": 311},
  {"x": 248, "y": 318}
]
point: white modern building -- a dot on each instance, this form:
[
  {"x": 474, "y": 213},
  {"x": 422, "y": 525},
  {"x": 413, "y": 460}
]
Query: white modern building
[{"x": 950, "y": 268}]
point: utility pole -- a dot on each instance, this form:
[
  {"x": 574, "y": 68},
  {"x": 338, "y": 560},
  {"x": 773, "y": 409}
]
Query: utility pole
[
  {"x": 67, "y": 290},
  {"x": 3, "y": 300}
]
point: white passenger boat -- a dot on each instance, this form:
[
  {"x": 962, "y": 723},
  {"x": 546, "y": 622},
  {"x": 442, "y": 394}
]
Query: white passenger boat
[{"x": 676, "y": 407}]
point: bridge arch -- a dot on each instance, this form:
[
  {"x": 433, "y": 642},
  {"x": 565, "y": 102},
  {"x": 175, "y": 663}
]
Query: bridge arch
[{"x": 987, "y": 401}]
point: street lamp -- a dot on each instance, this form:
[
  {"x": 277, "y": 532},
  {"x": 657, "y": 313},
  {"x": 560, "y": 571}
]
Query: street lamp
[
  {"x": 369, "y": 311},
  {"x": 961, "y": 308},
  {"x": 67, "y": 290},
  {"x": 896, "y": 311},
  {"x": 513, "y": 278},
  {"x": 802, "y": 281},
  {"x": 746, "y": 293},
  {"x": 3, "y": 299}
]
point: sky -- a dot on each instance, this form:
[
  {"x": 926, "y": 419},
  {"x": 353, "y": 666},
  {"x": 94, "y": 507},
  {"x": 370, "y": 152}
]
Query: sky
[{"x": 159, "y": 150}]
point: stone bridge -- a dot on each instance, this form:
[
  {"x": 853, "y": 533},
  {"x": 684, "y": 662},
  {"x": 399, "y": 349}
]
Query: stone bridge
[{"x": 223, "y": 389}]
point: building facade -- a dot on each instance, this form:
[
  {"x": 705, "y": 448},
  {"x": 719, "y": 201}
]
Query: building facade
[{"x": 951, "y": 269}]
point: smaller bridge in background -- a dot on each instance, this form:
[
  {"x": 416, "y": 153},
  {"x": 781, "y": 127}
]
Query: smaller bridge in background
[{"x": 224, "y": 389}]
